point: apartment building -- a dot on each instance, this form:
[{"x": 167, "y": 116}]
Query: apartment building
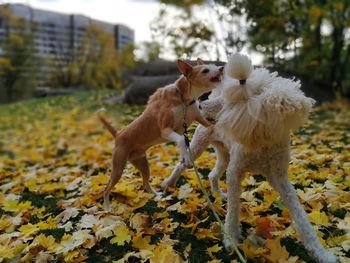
[{"x": 56, "y": 34}]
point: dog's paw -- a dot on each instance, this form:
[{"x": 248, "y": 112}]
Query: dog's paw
[
  {"x": 223, "y": 196},
  {"x": 164, "y": 185},
  {"x": 186, "y": 160},
  {"x": 158, "y": 196},
  {"x": 229, "y": 243},
  {"x": 106, "y": 207},
  {"x": 151, "y": 190}
]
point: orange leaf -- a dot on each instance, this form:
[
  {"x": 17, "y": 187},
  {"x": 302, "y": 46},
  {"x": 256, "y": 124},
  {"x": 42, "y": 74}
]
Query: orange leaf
[{"x": 263, "y": 228}]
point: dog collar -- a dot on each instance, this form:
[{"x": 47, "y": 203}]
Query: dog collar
[{"x": 192, "y": 102}]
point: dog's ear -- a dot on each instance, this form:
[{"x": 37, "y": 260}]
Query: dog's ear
[
  {"x": 184, "y": 67},
  {"x": 199, "y": 61}
]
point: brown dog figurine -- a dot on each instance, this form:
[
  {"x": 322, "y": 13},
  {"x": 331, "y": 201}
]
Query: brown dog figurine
[{"x": 166, "y": 112}]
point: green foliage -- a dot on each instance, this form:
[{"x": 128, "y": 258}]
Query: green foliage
[
  {"x": 150, "y": 50},
  {"x": 195, "y": 32},
  {"x": 305, "y": 38},
  {"x": 183, "y": 3},
  {"x": 17, "y": 63},
  {"x": 188, "y": 37},
  {"x": 302, "y": 37},
  {"x": 96, "y": 64}
]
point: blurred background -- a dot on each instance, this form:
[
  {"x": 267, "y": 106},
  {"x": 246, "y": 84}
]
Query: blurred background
[{"x": 54, "y": 47}]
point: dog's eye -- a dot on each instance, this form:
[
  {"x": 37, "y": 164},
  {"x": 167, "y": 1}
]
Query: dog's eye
[{"x": 205, "y": 71}]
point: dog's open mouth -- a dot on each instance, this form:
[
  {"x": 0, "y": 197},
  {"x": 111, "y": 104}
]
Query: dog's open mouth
[{"x": 217, "y": 78}]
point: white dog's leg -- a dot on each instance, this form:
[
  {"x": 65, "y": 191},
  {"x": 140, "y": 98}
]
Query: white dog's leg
[
  {"x": 222, "y": 159},
  {"x": 306, "y": 232},
  {"x": 234, "y": 177},
  {"x": 200, "y": 142},
  {"x": 175, "y": 175},
  {"x": 180, "y": 141}
]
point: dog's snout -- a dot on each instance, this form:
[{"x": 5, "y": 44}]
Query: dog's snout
[{"x": 221, "y": 69}]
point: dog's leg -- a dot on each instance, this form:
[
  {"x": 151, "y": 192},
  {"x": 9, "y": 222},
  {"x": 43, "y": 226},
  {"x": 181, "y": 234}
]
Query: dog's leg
[
  {"x": 172, "y": 179},
  {"x": 200, "y": 142},
  {"x": 119, "y": 159},
  {"x": 222, "y": 159},
  {"x": 170, "y": 135},
  {"x": 232, "y": 229},
  {"x": 307, "y": 234},
  {"x": 141, "y": 164}
]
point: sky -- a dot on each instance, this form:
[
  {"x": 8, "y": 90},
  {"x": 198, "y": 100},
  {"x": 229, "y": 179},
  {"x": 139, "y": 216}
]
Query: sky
[{"x": 136, "y": 14}]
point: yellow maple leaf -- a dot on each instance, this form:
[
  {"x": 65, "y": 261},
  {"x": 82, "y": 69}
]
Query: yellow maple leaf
[
  {"x": 47, "y": 242},
  {"x": 50, "y": 187},
  {"x": 203, "y": 233},
  {"x": 74, "y": 256},
  {"x": 140, "y": 222},
  {"x": 252, "y": 251},
  {"x": 70, "y": 242},
  {"x": 161, "y": 215},
  {"x": 214, "y": 249},
  {"x": 10, "y": 205},
  {"x": 25, "y": 206},
  {"x": 192, "y": 205},
  {"x": 195, "y": 224},
  {"x": 277, "y": 252},
  {"x": 6, "y": 252},
  {"x": 29, "y": 229},
  {"x": 142, "y": 243},
  {"x": 269, "y": 197},
  {"x": 166, "y": 226},
  {"x": 31, "y": 184},
  {"x": 126, "y": 257},
  {"x": 125, "y": 189},
  {"x": 122, "y": 235},
  {"x": 319, "y": 218},
  {"x": 50, "y": 223},
  {"x": 4, "y": 222},
  {"x": 165, "y": 253},
  {"x": 98, "y": 182}
]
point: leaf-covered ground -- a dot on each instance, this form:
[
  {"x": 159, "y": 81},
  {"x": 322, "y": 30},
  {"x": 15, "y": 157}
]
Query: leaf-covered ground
[{"x": 55, "y": 163}]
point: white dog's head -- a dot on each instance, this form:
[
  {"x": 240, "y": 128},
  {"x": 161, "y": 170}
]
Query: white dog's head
[{"x": 260, "y": 108}]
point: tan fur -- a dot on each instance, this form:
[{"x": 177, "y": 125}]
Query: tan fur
[
  {"x": 108, "y": 126},
  {"x": 163, "y": 116}
]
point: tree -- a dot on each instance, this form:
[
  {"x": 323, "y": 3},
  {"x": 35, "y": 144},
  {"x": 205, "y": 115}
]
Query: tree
[
  {"x": 17, "y": 58},
  {"x": 200, "y": 28},
  {"x": 308, "y": 38},
  {"x": 95, "y": 63},
  {"x": 187, "y": 37},
  {"x": 304, "y": 37},
  {"x": 149, "y": 51}
]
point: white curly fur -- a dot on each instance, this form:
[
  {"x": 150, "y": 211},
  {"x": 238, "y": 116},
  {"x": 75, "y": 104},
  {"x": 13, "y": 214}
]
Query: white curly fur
[
  {"x": 263, "y": 110},
  {"x": 239, "y": 67},
  {"x": 252, "y": 132}
]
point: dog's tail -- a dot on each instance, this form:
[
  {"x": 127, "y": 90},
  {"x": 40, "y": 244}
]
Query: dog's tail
[
  {"x": 105, "y": 123},
  {"x": 239, "y": 67}
]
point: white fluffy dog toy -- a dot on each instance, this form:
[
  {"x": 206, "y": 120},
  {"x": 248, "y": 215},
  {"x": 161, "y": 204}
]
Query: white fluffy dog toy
[{"x": 258, "y": 111}]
